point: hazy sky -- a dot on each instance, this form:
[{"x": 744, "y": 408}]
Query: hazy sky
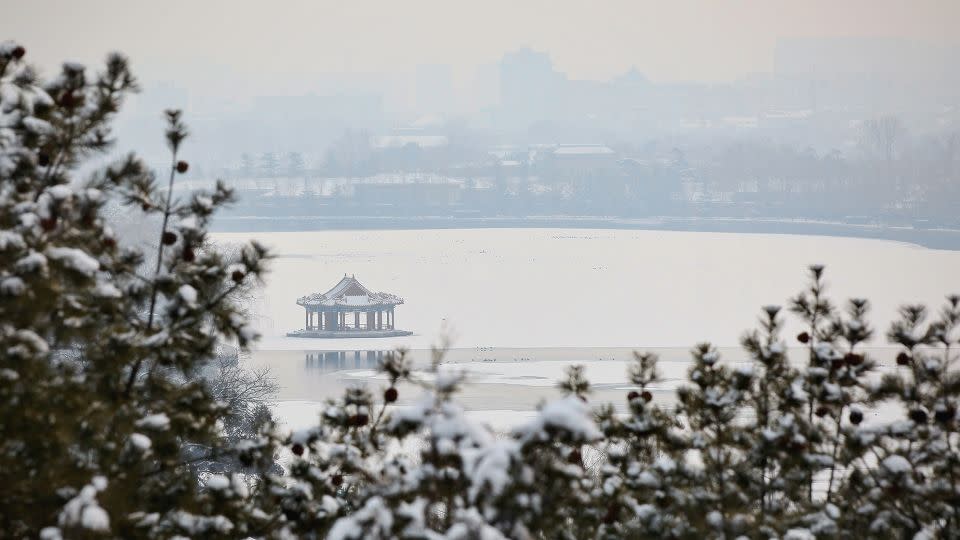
[{"x": 667, "y": 40}]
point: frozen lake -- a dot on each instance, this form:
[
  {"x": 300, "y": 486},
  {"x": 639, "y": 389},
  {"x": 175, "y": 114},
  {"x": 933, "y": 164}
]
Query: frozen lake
[
  {"x": 584, "y": 288},
  {"x": 536, "y": 300}
]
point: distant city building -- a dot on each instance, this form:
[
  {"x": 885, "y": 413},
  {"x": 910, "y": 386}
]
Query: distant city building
[
  {"x": 289, "y": 122},
  {"x": 530, "y": 89},
  {"x": 579, "y": 162},
  {"x": 434, "y": 89},
  {"x": 401, "y": 140},
  {"x": 427, "y": 131}
]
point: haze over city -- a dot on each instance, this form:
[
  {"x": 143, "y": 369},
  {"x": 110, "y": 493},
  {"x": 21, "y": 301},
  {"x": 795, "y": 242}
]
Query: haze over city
[
  {"x": 458, "y": 269},
  {"x": 413, "y": 58}
]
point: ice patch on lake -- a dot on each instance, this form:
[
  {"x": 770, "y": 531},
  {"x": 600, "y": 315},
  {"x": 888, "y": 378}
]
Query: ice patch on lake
[{"x": 544, "y": 373}]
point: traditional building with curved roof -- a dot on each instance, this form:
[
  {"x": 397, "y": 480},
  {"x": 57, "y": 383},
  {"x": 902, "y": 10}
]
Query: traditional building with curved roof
[{"x": 349, "y": 310}]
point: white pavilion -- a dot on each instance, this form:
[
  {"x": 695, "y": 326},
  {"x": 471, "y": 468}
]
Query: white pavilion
[{"x": 349, "y": 310}]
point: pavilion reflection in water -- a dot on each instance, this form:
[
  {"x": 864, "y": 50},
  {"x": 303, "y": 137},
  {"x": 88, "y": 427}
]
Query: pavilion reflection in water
[{"x": 325, "y": 361}]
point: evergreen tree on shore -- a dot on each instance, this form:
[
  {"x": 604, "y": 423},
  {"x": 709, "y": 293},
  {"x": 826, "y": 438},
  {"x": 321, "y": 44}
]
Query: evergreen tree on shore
[{"x": 98, "y": 392}]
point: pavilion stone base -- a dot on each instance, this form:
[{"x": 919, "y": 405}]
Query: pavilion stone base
[{"x": 348, "y": 334}]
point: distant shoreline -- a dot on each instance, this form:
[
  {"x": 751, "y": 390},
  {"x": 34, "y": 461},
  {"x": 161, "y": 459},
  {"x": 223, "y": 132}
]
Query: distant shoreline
[{"x": 941, "y": 239}]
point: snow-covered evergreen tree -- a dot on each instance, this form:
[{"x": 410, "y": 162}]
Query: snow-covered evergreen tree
[
  {"x": 269, "y": 165},
  {"x": 764, "y": 449},
  {"x": 247, "y": 165},
  {"x": 97, "y": 359},
  {"x": 295, "y": 165}
]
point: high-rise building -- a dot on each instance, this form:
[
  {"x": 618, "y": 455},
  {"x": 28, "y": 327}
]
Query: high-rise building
[
  {"x": 530, "y": 89},
  {"x": 434, "y": 88}
]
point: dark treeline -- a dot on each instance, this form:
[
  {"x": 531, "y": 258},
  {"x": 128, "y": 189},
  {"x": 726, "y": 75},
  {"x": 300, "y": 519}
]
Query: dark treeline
[{"x": 884, "y": 171}]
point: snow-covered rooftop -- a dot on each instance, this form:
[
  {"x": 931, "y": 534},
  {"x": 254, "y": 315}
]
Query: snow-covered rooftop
[
  {"x": 741, "y": 121},
  {"x": 798, "y": 114},
  {"x": 399, "y": 141},
  {"x": 349, "y": 292},
  {"x": 583, "y": 149}
]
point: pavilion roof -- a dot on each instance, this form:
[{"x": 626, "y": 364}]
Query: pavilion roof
[{"x": 349, "y": 292}]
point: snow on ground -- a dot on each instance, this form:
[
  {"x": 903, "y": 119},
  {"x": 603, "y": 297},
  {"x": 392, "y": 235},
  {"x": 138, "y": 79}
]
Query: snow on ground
[
  {"x": 299, "y": 415},
  {"x": 504, "y": 394},
  {"x": 544, "y": 373}
]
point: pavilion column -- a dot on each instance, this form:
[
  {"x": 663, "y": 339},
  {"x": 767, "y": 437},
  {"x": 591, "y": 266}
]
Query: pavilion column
[
  {"x": 393, "y": 318},
  {"x": 356, "y": 320},
  {"x": 306, "y": 319},
  {"x": 319, "y": 320},
  {"x": 379, "y": 320}
]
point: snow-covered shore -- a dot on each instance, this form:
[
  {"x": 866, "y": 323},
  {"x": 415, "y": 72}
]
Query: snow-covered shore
[{"x": 932, "y": 237}]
